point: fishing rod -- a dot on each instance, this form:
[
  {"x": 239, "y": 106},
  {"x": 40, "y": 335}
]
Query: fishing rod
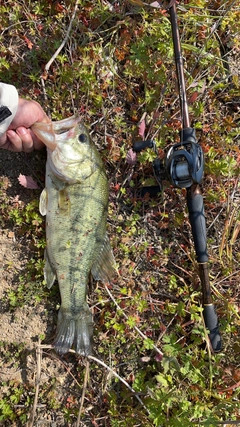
[{"x": 183, "y": 167}]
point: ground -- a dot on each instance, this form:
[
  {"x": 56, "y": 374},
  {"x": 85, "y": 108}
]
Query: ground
[{"x": 100, "y": 72}]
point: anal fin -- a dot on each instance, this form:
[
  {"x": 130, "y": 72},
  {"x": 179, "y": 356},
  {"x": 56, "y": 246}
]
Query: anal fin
[{"x": 49, "y": 272}]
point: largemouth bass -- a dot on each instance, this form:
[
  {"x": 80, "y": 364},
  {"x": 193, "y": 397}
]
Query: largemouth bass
[{"x": 75, "y": 202}]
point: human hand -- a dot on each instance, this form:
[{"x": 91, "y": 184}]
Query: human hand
[{"x": 19, "y": 136}]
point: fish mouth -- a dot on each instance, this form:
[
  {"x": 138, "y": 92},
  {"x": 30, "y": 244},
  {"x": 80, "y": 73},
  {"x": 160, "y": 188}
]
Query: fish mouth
[{"x": 53, "y": 133}]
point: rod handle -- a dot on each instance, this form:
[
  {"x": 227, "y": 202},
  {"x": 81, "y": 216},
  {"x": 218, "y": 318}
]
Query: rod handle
[
  {"x": 211, "y": 323},
  {"x": 198, "y": 224}
]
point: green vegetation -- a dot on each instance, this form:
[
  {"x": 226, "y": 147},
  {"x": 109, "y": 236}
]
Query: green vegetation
[{"x": 116, "y": 65}]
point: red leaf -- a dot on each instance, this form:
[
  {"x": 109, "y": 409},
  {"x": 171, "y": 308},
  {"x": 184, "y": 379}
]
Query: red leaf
[
  {"x": 59, "y": 8},
  {"x": 193, "y": 98},
  {"x": 27, "y": 181},
  {"x": 131, "y": 157},
  {"x": 29, "y": 43},
  {"x": 158, "y": 357},
  {"x": 142, "y": 128},
  {"x": 155, "y": 4}
]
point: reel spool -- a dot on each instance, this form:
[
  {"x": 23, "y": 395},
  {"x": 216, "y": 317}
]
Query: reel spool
[{"x": 183, "y": 164}]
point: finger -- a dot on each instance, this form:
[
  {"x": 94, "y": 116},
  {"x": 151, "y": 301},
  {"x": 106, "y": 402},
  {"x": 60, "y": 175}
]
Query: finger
[
  {"x": 14, "y": 142},
  {"x": 22, "y": 140},
  {"x": 26, "y": 138},
  {"x": 3, "y": 140}
]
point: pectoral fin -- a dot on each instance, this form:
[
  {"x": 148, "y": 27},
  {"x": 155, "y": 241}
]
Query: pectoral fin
[
  {"x": 104, "y": 265},
  {"x": 43, "y": 202},
  {"x": 64, "y": 201},
  {"x": 49, "y": 272}
]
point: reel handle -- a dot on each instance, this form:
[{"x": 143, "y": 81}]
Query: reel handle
[{"x": 141, "y": 145}]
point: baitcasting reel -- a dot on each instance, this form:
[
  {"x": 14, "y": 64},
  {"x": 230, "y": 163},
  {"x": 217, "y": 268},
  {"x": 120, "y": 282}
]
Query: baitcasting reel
[{"x": 183, "y": 164}]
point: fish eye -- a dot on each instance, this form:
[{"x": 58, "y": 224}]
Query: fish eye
[{"x": 82, "y": 137}]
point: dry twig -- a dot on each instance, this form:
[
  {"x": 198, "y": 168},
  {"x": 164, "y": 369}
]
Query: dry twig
[
  {"x": 38, "y": 378},
  {"x": 83, "y": 393},
  {"x": 100, "y": 362},
  {"x": 48, "y": 65},
  {"x": 93, "y": 358}
]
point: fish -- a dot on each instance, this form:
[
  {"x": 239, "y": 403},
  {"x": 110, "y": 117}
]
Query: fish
[{"x": 75, "y": 203}]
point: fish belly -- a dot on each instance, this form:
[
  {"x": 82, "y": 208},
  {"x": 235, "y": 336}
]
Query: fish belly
[{"x": 75, "y": 233}]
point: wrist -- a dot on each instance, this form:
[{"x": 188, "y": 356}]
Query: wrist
[{"x": 9, "y": 99}]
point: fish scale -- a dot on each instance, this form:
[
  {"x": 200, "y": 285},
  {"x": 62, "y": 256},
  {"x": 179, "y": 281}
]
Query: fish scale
[{"x": 75, "y": 202}]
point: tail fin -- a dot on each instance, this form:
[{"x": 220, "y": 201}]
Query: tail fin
[{"x": 74, "y": 330}]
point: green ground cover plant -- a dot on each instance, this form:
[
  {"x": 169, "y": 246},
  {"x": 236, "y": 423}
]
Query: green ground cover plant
[{"x": 117, "y": 69}]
